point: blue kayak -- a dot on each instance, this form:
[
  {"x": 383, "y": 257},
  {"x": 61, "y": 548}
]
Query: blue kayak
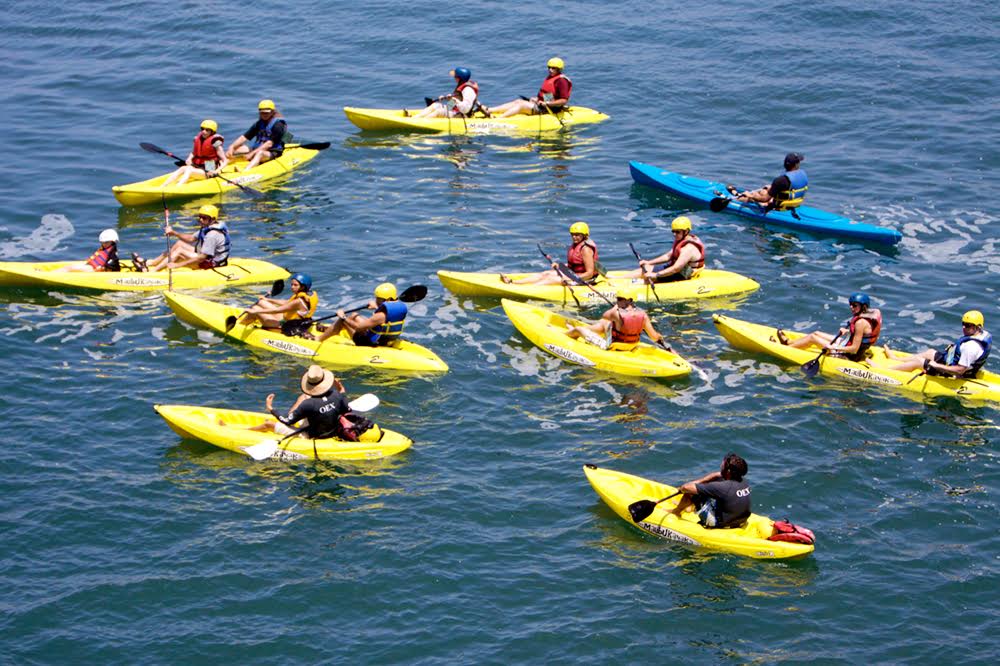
[{"x": 805, "y": 218}]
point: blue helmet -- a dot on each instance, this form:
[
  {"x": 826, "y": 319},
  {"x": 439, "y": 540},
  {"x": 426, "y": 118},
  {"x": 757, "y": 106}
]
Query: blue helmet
[
  {"x": 304, "y": 280},
  {"x": 860, "y": 298},
  {"x": 463, "y": 74}
]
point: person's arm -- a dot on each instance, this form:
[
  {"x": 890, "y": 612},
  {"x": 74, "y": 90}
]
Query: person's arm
[
  {"x": 221, "y": 159},
  {"x": 663, "y": 258},
  {"x": 190, "y": 158},
  {"x": 196, "y": 259},
  {"x": 957, "y": 368},
  {"x": 468, "y": 98},
  {"x": 367, "y": 323},
  {"x": 590, "y": 268},
  {"x": 690, "y": 488},
  {"x": 687, "y": 254},
  {"x": 861, "y": 329},
  {"x": 612, "y": 314},
  {"x": 187, "y": 238},
  {"x": 561, "y": 93},
  {"x": 647, "y": 326}
]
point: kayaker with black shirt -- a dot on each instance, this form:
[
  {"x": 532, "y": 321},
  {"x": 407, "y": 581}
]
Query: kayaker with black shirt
[
  {"x": 319, "y": 408},
  {"x": 205, "y": 249},
  {"x": 462, "y": 101},
  {"x": 105, "y": 259},
  {"x": 206, "y": 159},
  {"x": 381, "y": 329},
  {"x": 619, "y": 328},
  {"x": 685, "y": 259},
  {"x": 721, "y": 499},
  {"x": 581, "y": 259},
  {"x": 552, "y": 97},
  {"x": 857, "y": 334},
  {"x": 964, "y": 358},
  {"x": 785, "y": 192},
  {"x": 273, "y": 312},
  {"x": 266, "y": 137}
]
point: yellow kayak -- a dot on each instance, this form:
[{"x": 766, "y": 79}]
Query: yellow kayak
[
  {"x": 618, "y": 490},
  {"x": 874, "y": 370},
  {"x": 335, "y": 352},
  {"x": 45, "y": 274},
  {"x": 394, "y": 120},
  {"x": 547, "y": 330},
  {"x": 151, "y": 191},
  {"x": 229, "y": 429},
  {"x": 706, "y": 284}
]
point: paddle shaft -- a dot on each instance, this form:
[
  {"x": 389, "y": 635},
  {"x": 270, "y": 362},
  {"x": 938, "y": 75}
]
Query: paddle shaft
[
  {"x": 648, "y": 281},
  {"x": 152, "y": 148},
  {"x": 565, "y": 273},
  {"x": 410, "y": 295},
  {"x": 547, "y": 108}
]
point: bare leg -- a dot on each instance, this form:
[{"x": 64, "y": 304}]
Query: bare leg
[
  {"x": 816, "y": 338},
  {"x": 914, "y": 362}
]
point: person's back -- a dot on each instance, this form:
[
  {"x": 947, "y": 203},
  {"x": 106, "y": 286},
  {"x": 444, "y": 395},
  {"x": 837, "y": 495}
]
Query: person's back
[{"x": 731, "y": 501}]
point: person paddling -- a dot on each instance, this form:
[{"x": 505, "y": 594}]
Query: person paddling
[
  {"x": 721, "y": 499},
  {"x": 861, "y": 331},
  {"x": 462, "y": 101},
  {"x": 278, "y": 426},
  {"x": 266, "y": 137},
  {"x": 685, "y": 259},
  {"x": 382, "y": 328},
  {"x": 207, "y": 248},
  {"x": 552, "y": 97},
  {"x": 619, "y": 328},
  {"x": 963, "y": 358},
  {"x": 286, "y": 313},
  {"x": 319, "y": 408},
  {"x": 785, "y": 192},
  {"x": 581, "y": 258},
  {"x": 105, "y": 259},
  {"x": 207, "y": 150}
]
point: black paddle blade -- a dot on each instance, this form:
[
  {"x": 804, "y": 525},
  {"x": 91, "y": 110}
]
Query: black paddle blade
[
  {"x": 641, "y": 510},
  {"x": 230, "y": 322},
  {"x": 179, "y": 163},
  {"x": 811, "y": 368},
  {"x": 322, "y": 145},
  {"x": 152, "y": 148},
  {"x": 718, "y": 204},
  {"x": 277, "y": 287},
  {"x": 428, "y": 101},
  {"x": 413, "y": 294}
]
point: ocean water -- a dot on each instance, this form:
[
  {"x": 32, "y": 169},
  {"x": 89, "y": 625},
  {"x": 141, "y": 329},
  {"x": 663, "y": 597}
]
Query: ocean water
[{"x": 484, "y": 543}]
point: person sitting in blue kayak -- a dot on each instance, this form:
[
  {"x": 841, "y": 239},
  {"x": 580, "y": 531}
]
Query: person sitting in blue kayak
[
  {"x": 786, "y": 192},
  {"x": 685, "y": 259},
  {"x": 964, "y": 358},
  {"x": 292, "y": 315},
  {"x": 267, "y": 137},
  {"x": 619, "y": 328},
  {"x": 552, "y": 97},
  {"x": 861, "y": 331},
  {"x": 207, "y": 248},
  {"x": 721, "y": 499},
  {"x": 381, "y": 329},
  {"x": 461, "y": 101},
  {"x": 581, "y": 259}
]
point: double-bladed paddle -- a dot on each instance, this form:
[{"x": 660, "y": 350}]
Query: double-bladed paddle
[
  {"x": 648, "y": 281},
  {"x": 409, "y": 295},
  {"x": 152, "y": 148},
  {"x": 276, "y": 288}
]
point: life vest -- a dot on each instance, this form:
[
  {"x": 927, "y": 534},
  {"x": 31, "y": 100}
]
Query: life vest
[
  {"x": 984, "y": 339},
  {"x": 267, "y": 133},
  {"x": 796, "y": 193},
  {"x": 689, "y": 239},
  {"x": 105, "y": 259},
  {"x": 548, "y": 90},
  {"x": 874, "y": 317},
  {"x": 204, "y": 149},
  {"x": 633, "y": 321},
  {"x": 457, "y": 94},
  {"x": 311, "y": 299},
  {"x": 395, "y": 315},
  {"x": 221, "y": 257},
  {"x": 574, "y": 256},
  {"x": 785, "y": 530}
]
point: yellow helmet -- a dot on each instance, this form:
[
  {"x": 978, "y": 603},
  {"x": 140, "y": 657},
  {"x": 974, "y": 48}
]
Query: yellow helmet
[
  {"x": 681, "y": 224},
  {"x": 580, "y": 228},
  {"x": 974, "y": 317},
  {"x": 556, "y": 62},
  {"x": 209, "y": 211},
  {"x": 266, "y": 105},
  {"x": 210, "y": 125},
  {"x": 621, "y": 293},
  {"x": 386, "y": 291}
]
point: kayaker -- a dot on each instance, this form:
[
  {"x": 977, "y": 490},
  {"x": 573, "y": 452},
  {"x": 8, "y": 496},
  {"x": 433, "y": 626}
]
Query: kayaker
[
  {"x": 381, "y": 329},
  {"x": 685, "y": 259},
  {"x": 293, "y": 314},
  {"x": 581, "y": 259},
  {"x": 267, "y": 137},
  {"x": 785, "y": 192},
  {"x": 207, "y": 248},
  {"x": 552, "y": 97},
  {"x": 620, "y": 328},
  {"x": 207, "y": 148},
  {"x": 721, "y": 499},
  {"x": 861, "y": 331},
  {"x": 105, "y": 259},
  {"x": 462, "y": 101},
  {"x": 963, "y": 358},
  {"x": 318, "y": 409}
]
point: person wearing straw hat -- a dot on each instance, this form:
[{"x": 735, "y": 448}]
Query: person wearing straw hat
[
  {"x": 318, "y": 409},
  {"x": 207, "y": 149},
  {"x": 266, "y": 137}
]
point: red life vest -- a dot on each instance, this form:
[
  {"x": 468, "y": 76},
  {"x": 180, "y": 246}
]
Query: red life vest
[
  {"x": 457, "y": 94},
  {"x": 549, "y": 87},
  {"x": 105, "y": 259},
  {"x": 689, "y": 239},
  {"x": 204, "y": 149},
  {"x": 787, "y": 531},
  {"x": 633, "y": 321},
  {"x": 574, "y": 256},
  {"x": 874, "y": 318}
]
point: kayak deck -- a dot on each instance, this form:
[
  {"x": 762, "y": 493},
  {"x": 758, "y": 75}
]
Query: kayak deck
[{"x": 395, "y": 120}]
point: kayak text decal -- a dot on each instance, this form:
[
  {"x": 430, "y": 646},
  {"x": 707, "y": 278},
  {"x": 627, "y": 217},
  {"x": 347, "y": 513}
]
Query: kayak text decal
[
  {"x": 869, "y": 376},
  {"x": 562, "y": 352},
  {"x": 138, "y": 282},
  {"x": 667, "y": 533},
  {"x": 288, "y": 347}
]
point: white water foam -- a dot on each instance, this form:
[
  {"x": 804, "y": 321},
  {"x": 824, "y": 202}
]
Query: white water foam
[{"x": 53, "y": 229}]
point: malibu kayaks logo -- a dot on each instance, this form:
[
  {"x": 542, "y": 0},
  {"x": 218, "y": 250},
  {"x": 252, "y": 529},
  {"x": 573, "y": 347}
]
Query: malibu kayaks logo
[
  {"x": 572, "y": 356},
  {"x": 667, "y": 533},
  {"x": 869, "y": 376},
  {"x": 288, "y": 347},
  {"x": 596, "y": 295},
  {"x": 138, "y": 282},
  {"x": 247, "y": 179},
  {"x": 288, "y": 455}
]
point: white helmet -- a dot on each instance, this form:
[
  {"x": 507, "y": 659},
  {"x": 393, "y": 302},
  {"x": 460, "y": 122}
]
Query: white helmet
[{"x": 108, "y": 236}]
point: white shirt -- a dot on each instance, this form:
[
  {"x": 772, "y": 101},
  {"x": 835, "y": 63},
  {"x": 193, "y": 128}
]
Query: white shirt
[{"x": 970, "y": 351}]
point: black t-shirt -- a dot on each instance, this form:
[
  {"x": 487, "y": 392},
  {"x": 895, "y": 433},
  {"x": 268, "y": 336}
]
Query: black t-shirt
[
  {"x": 279, "y": 129},
  {"x": 732, "y": 500},
  {"x": 323, "y": 413},
  {"x": 779, "y": 184}
]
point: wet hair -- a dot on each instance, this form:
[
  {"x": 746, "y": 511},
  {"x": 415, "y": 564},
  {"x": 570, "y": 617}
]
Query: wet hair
[{"x": 735, "y": 468}]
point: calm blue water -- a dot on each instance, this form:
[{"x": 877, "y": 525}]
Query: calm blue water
[{"x": 123, "y": 543}]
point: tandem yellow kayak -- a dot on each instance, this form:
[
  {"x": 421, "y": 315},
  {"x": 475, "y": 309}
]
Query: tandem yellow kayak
[
  {"x": 873, "y": 370},
  {"x": 335, "y": 352},
  {"x": 152, "y": 191},
  {"x": 230, "y": 429},
  {"x": 618, "y": 490},
  {"x": 394, "y": 120},
  {"x": 47, "y": 274},
  {"x": 706, "y": 284},
  {"x": 547, "y": 330}
]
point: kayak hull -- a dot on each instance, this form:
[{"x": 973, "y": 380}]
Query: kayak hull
[
  {"x": 547, "y": 330},
  {"x": 384, "y": 120},
  {"x": 336, "y": 352},
  {"x": 229, "y": 429},
  {"x": 46, "y": 275},
  {"x": 151, "y": 191},
  {"x": 811, "y": 220},
  {"x": 875, "y": 370},
  {"x": 618, "y": 490},
  {"x": 707, "y": 284}
]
